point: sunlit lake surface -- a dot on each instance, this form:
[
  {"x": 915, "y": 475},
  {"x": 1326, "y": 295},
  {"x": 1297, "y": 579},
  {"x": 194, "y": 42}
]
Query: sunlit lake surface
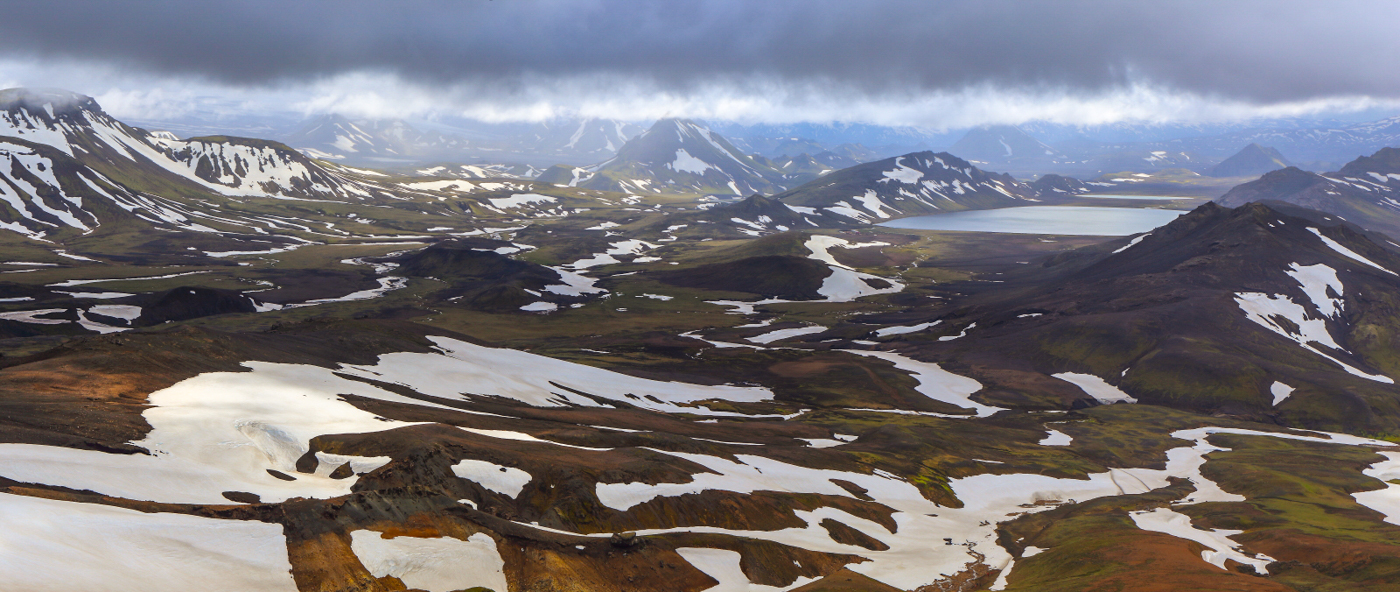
[{"x": 1086, "y": 221}]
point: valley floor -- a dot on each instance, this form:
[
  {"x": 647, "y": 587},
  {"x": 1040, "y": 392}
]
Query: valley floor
[{"x": 637, "y": 400}]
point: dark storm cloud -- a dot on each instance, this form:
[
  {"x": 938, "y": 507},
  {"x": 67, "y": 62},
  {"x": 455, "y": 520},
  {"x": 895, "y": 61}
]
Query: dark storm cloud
[{"x": 1253, "y": 50}]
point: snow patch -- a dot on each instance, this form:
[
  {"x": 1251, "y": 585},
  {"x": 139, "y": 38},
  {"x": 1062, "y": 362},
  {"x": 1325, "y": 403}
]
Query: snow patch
[
  {"x": 60, "y": 546},
  {"x": 520, "y": 199},
  {"x": 1219, "y": 546},
  {"x": 1096, "y": 387},
  {"x": 434, "y": 564},
  {"x": 935, "y": 382},
  {"x": 1336, "y": 246},
  {"x": 688, "y": 164},
  {"x": 509, "y": 481},
  {"x": 1056, "y": 438}
]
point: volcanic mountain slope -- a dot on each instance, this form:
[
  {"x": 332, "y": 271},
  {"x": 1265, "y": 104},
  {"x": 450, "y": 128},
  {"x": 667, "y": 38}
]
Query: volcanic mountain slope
[
  {"x": 913, "y": 184},
  {"x": 1252, "y": 160},
  {"x": 681, "y": 156},
  {"x": 1245, "y": 312},
  {"x": 587, "y": 138},
  {"x": 1366, "y": 191},
  {"x": 1001, "y": 143},
  {"x": 805, "y": 167}
]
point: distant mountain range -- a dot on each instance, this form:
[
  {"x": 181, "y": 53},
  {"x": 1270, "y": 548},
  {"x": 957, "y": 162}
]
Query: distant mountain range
[
  {"x": 1036, "y": 147},
  {"x": 390, "y": 142},
  {"x": 680, "y": 155}
]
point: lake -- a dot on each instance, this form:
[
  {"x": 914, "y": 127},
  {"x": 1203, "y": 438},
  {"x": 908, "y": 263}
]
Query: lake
[{"x": 1075, "y": 220}]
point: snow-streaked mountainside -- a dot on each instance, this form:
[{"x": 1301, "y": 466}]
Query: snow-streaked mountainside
[
  {"x": 76, "y": 126},
  {"x": 73, "y": 169},
  {"x": 1366, "y": 191},
  {"x": 681, "y": 156},
  {"x": 586, "y": 138},
  {"x": 1214, "y": 300},
  {"x": 913, "y": 184},
  {"x": 1252, "y": 160}
]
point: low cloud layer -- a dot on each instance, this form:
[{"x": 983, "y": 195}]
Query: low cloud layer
[{"x": 946, "y": 63}]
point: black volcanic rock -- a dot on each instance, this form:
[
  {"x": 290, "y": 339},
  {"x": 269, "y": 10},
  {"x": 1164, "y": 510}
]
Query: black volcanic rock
[
  {"x": 772, "y": 276},
  {"x": 464, "y": 261},
  {"x": 482, "y": 279},
  {"x": 185, "y": 303},
  {"x": 1251, "y": 161}
]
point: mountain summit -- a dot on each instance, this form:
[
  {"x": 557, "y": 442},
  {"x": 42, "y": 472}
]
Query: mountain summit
[
  {"x": 682, "y": 155},
  {"x": 1000, "y": 143},
  {"x": 916, "y": 183},
  {"x": 1251, "y": 161}
]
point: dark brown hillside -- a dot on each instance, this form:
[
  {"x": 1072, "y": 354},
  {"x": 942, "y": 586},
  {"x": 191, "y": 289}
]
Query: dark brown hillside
[{"x": 1161, "y": 319}]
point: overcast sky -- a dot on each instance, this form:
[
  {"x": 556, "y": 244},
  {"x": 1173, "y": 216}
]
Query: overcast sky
[{"x": 933, "y": 63}]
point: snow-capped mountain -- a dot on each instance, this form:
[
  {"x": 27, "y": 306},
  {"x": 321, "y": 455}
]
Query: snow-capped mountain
[
  {"x": 681, "y": 156},
  {"x": 76, "y": 126},
  {"x": 917, "y": 183},
  {"x": 74, "y": 166}
]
